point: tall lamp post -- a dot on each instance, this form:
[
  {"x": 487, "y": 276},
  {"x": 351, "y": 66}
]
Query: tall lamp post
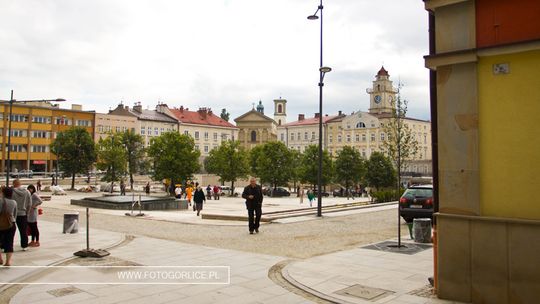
[
  {"x": 322, "y": 71},
  {"x": 11, "y": 101}
]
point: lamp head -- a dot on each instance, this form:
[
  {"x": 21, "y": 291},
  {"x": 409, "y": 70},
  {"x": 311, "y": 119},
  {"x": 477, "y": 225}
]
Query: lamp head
[
  {"x": 325, "y": 69},
  {"x": 313, "y": 17}
]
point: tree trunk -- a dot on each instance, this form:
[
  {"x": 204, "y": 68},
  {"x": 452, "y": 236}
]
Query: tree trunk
[
  {"x": 232, "y": 188},
  {"x": 131, "y": 179},
  {"x": 72, "y": 181}
]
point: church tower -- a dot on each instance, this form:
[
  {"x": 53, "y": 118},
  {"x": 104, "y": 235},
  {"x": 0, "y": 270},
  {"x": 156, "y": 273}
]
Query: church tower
[
  {"x": 382, "y": 95},
  {"x": 280, "y": 111}
]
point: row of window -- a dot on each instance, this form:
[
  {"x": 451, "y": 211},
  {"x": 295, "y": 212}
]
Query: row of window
[
  {"x": 206, "y": 148},
  {"x": 157, "y": 131},
  {"x": 33, "y": 148},
  {"x": 206, "y": 135},
  {"x": 47, "y": 120},
  {"x": 105, "y": 129}
]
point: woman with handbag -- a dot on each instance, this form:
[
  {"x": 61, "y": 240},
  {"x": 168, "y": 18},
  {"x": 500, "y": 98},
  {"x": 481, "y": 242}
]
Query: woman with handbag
[
  {"x": 32, "y": 215},
  {"x": 8, "y": 214}
]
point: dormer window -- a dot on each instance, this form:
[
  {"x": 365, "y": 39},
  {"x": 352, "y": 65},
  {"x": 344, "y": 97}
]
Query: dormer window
[{"x": 360, "y": 125}]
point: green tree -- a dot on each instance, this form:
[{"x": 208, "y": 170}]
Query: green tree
[
  {"x": 254, "y": 154},
  {"x": 309, "y": 166},
  {"x": 134, "y": 146},
  {"x": 112, "y": 158},
  {"x": 272, "y": 163},
  {"x": 295, "y": 166},
  {"x": 225, "y": 115},
  {"x": 400, "y": 143},
  {"x": 174, "y": 157},
  {"x": 350, "y": 167},
  {"x": 380, "y": 171},
  {"x": 74, "y": 149},
  {"x": 230, "y": 161}
]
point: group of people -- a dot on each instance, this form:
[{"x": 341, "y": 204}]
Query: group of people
[
  {"x": 310, "y": 195},
  {"x": 22, "y": 207}
]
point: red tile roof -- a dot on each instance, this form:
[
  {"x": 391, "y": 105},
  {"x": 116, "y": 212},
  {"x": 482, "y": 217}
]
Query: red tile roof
[
  {"x": 201, "y": 117},
  {"x": 310, "y": 121}
]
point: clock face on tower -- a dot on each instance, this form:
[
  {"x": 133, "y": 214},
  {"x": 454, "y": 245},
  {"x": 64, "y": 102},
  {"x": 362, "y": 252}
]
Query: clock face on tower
[{"x": 377, "y": 98}]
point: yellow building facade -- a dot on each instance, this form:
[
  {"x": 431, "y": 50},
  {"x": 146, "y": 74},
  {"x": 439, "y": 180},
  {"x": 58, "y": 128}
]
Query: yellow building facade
[
  {"x": 484, "y": 61},
  {"x": 33, "y": 129}
]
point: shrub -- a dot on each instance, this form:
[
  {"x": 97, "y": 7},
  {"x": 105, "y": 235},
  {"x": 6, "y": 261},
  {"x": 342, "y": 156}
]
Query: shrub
[{"x": 386, "y": 195}]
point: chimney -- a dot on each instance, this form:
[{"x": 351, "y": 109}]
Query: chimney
[
  {"x": 181, "y": 109},
  {"x": 317, "y": 115},
  {"x": 339, "y": 113},
  {"x": 76, "y": 107},
  {"x": 301, "y": 117},
  {"x": 138, "y": 107},
  {"x": 202, "y": 112}
]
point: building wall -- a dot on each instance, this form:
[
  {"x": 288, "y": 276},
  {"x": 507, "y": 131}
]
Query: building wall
[
  {"x": 215, "y": 136},
  {"x": 512, "y": 194},
  {"x": 109, "y": 123},
  {"x": 32, "y": 136},
  {"x": 153, "y": 128}
]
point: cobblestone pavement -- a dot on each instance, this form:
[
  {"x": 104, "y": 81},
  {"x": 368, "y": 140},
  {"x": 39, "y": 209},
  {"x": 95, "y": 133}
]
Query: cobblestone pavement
[{"x": 296, "y": 240}]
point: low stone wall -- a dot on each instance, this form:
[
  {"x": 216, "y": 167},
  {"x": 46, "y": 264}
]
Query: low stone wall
[{"x": 124, "y": 203}]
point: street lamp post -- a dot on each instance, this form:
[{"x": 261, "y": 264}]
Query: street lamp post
[
  {"x": 11, "y": 101},
  {"x": 322, "y": 71}
]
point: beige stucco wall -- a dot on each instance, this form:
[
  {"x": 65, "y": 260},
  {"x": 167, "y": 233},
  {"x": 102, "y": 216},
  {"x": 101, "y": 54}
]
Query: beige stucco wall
[
  {"x": 106, "y": 123},
  {"x": 216, "y": 135}
]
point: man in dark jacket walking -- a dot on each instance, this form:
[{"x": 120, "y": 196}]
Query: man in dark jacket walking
[
  {"x": 24, "y": 202},
  {"x": 254, "y": 197}
]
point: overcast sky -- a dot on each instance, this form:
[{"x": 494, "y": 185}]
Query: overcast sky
[{"x": 211, "y": 53}]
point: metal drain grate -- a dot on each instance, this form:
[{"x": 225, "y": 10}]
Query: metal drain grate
[
  {"x": 406, "y": 248},
  {"x": 62, "y": 292},
  {"x": 364, "y": 292}
]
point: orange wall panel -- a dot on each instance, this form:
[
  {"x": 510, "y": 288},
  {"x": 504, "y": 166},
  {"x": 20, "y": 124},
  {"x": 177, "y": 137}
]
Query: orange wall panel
[{"x": 506, "y": 21}]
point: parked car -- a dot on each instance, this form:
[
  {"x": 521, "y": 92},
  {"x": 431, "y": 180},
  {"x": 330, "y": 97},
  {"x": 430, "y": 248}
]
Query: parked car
[
  {"x": 277, "y": 192},
  {"x": 22, "y": 173},
  {"x": 342, "y": 192},
  {"x": 324, "y": 193},
  {"x": 416, "y": 202}
]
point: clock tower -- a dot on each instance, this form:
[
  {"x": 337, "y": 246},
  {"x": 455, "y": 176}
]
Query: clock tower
[{"x": 382, "y": 95}]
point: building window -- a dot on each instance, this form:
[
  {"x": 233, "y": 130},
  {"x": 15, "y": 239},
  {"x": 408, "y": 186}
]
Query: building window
[
  {"x": 19, "y": 118},
  {"x": 224, "y": 137},
  {"x": 360, "y": 125},
  {"x": 143, "y": 130},
  {"x": 156, "y": 131},
  {"x": 196, "y": 134},
  {"x": 253, "y": 136},
  {"x": 363, "y": 137},
  {"x": 279, "y": 108},
  {"x": 299, "y": 136},
  {"x": 84, "y": 123},
  {"x": 425, "y": 138},
  {"x": 357, "y": 137},
  {"x": 313, "y": 135},
  {"x": 348, "y": 138},
  {"x": 17, "y": 148},
  {"x": 18, "y": 133},
  {"x": 197, "y": 147},
  {"x": 382, "y": 136},
  {"x": 40, "y": 149},
  {"x": 41, "y": 119},
  {"x": 282, "y": 137},
  {"x": 186, "y": 132},
  {"x": 364, "y": 152},
  {"x": 292, "y": 136},
  {"x": 40, "y": 134},
  {"x": 118, "y": 129},
  {"x": 339, "y": 138},
  {"x": 215, "y": 136},
  {"x": 162, "y": 131},
  {"x": 205, "y": 149},
  {"x": 373, "y": 137},
  {"x": 330, "y": 139},
  {"x": 205, "y": 135},
  {"x": 305, "y": 135}
]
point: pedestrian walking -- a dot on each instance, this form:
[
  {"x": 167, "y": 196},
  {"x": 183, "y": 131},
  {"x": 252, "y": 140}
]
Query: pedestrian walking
[
  {"x": 8, "y": 206},
  {"x": 147, "y": 188},
  {"x": 254, "y": 198},
  {"x": 122, "y": 187},
  {"x": 33, "y": 216},
  {"x": 301, "y": 193},
  {"x": 189, "y": 194},
  {"x": 24, "y": 201},
  {"x": 209, "y": 192},
  {"x": 216, "y": 192},
  {"x": 38, "y": 186},
  {"x": 178, "y": 191},
  {"x": 310, "y": 196},
  {"x": 198, "y": 199}
]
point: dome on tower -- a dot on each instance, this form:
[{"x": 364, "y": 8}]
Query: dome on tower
[{"x": 382, "y": 72}]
